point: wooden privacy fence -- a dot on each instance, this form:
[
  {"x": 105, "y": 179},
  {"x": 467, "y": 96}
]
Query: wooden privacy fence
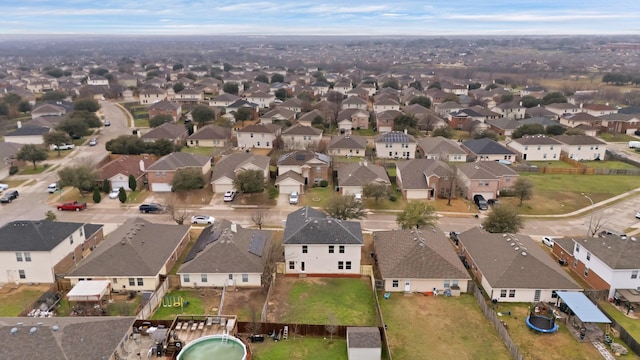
[
  {"x": 500, "y": 328},
  {"x": 154, "y": 300}
]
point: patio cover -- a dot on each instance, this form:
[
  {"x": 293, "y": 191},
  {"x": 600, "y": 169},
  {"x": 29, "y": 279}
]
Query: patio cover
[
  {"x": 584, "y": 309},
  {"x": 89, "y": 290}
]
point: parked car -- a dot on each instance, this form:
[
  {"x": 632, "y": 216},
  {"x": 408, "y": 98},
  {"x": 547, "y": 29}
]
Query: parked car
[
  {"x": 202, "y": 219},
  {"x": 114, "y": 193},
  {"x": 4, "y": 187},
  {"x": 481, "y": 203},
  {"x": 293, "y": 198},
  {"x": 151, "y": 208},
  {"x": 358, "y": 197},
  {"x": 72, "y": 206},
  {"x": 638, "y": 215},
  {"x": 548, "y": 240},
  {"x": 107, "y": 123},
  {"x": 93, "y": 142},
  {"x": 9, "y": 196},
  {"x": 52, "y": 188},
  {"x": 63, "y": 147},
  {"x": 229, "y": 195}
]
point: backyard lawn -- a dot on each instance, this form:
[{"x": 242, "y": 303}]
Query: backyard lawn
[
  {"x": 631, "y": 325},
  {"x": 552, "y": 164},
  {"x": 308, "y": 348},
  {"x": 617, "y": 137},
  {"x": 315, "y": 300},
  {"x": 195, "y": 305},
  {"x": 421, "y": 327},
  {"x": 200, "y": 150},
  {"x": 608, "y": 165},
  {"x": 15, "y": 299}
]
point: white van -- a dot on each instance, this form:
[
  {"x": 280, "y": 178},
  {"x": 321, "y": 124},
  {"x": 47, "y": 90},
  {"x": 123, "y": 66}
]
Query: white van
[
  {"x": 634, "y": 144},
  {"x": 52, "y": 188}
]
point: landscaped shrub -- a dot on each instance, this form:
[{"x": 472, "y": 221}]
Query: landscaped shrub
[
  {"x": 273, "y": 192},
  {"x": 13, "y": 170},
  {"x": 324, "y": 183},
  {"x": 393, "y": 197}
]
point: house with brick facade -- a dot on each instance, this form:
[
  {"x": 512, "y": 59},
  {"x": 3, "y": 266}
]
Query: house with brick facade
[
  {"x": 486, "y": 178},
  {"x": 312, "y": 167},
  {"x": 165, "y": 107},
  {"x": 536, "y": 148},
  {"x": 176, "y": 133},
  {"x": 160, "y": 174}
]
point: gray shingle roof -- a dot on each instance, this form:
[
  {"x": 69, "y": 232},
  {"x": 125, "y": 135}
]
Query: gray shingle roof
[
  {"x": 164, "y": 105},
  {"x": 363, "y": 337},
  {"x": 300, "y": 129},
  {"x": 28, "y": 235},
  {"x": 136, "y": 248},
  {"x": 505, "y": 267},
  {"x": 417, "y": 254},
  {"x": 486, "y": 146},
  {"x": 440, "y": 146},
  {"x": 179, "y": 160},
  {"x": 395, "y": 137},
  {"x": 77, "y": 338},
  {"x": 28, "y": 131},
  {"x": 486, "y": 170},
  {"x": 360, "y": 174},
  {"x": 301, "y": 157},
  {"x": 166, "y": 131},
  {"x": 309, "y": 226},
  {"x": 414, "y": 172},
  {"x": 536, "y": 140},
  {"x": 578, "y": 140},
  {"x": 613, "y": 251},
  {"x": 220, "y": 250},
  {"x": 227, "y": 166},
  {"x": 348, "y": 142},
  {"x": 289, "y": 175},
  {"x": 210, "y": 132},
  {"x": 504, "y": 123},
  {"x": 260, "y": 128}
]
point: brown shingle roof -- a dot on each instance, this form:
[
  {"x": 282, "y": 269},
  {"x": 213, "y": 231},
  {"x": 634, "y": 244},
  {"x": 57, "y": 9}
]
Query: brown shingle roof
[
  {"x": 578, "y": 140},
  {"x": 175, "y": 161},
  {"x": 360, "y": 174},
  {"x": 126, "y": 165},
  {"x": 166, "y": 131},
  {"x": 211, "y": 132}
]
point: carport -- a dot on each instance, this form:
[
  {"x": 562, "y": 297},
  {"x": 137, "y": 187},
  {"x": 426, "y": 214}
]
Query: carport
[{"x": 583, "y": 317}]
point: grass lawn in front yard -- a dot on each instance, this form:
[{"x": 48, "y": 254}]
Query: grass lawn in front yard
[
  {"x": 136, "y": 197},
  {"x": 609, "y": 165},
  {"x": 140, "y": 122},
  {"x": 617, "y": 137},
  {"x": 533, "y": 345},
  {"x": 301, "y": 348},
  {"x": 199, "y": 150},
  {"x": 53, "y": 154},
  {"x": 317, "y": 196},
  {"x": 29, "y": 170},
  {"x": 457, "y": 205},
  {"x": 364, "y": 132},
  {"x": 315, "y": 300},
  {"x": 15, "y": 298},
  {"x": 562, "y": 193},
  {"x": 424, "y": 327},
  {"x": 14, "y": 183}
]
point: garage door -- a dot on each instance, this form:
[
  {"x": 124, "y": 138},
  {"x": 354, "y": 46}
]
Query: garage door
[
  {"x": 486, "y": 195},
  {"x": 120, "y": 184},
  {"x": 161, "y": 187},
  {"x": 288, "y": 189},
  {"x": 222, "y": 188}
]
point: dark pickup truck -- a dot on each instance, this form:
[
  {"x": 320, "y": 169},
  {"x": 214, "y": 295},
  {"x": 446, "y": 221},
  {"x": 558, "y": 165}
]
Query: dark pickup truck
[{"x": 151, "y": 208}]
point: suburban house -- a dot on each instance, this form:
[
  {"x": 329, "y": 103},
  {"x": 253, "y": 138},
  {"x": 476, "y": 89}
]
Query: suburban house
[
  {"x": 599, "y": 109},
  {"x": 211, "y": 135},
  {"x": 226, "y": 254},
  {"x": 347, "y": 145},
  {"x": 354, "y": 102},
  {"x": 160, "y": 174},
  {"x": 364, "y": 343},
  {"x": 512, "y": 110},
  {"x": 175, "y": 133},
  {"x": 38, "y": 251},
  {"x": 423, "y": 179},
  {"x": 127, "y": 80},
  {"x": 504, "y": 126},
  {"x": 152, "y": 95},
  {"x": 97, "y": 80},
  {"x": 582, "y": 147},
  {"x": 385, "y": 105},
  {"x": 317, "y": 245},
  {"x": 352, "y": 177},
  {"x": 165, "y": 107},
  {"x": 225, "y": 170},
  {"x": 118, "y": 170},
  {"x": 223, "y": 100},
  {"x": 419, "y": 260},
  {"x": 189, "y": 95},
  {"x": 293, "y": 104},
  {"x": 258, "y": 136},
  {"x": 539, "y": 111},
  {"x": 136, "y": 256},
  {"x": 385, "y": 119},
  {"x": 620, "y": 123},
  {"x": 485, "y": 149},
  {"x": 395, "y": 145},
  {"x": 313, "y": 168},
  {"x": 343, "y": 86},
  {"x": 486, "y": 178},
  {"x": 605, "y": 262},
  {"x": 582, "y": 118},
  {"x": 513, "y": 268},
  {"x": 48, "y": 110},
  {"x": 277, "y": 115},
  {"x": 300, "y": 137},
  {"x": 320, "y": 88},
  {"x": 262, "y": 99},
  {"x": 536, "y": 148},
  {"x": 535, "y": 91},
  {"x": 27, "y": 135},
  {"x": 440, "y": 148},
  {"x": 8, "y": 152},
  {"x": 564, "y": 108},
  {"x": 350, "y": 119},
  {"x": 306, "y": 119}
]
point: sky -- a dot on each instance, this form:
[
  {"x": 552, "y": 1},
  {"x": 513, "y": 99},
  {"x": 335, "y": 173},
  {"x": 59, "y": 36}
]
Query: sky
[{"x": 334, "y": 17}]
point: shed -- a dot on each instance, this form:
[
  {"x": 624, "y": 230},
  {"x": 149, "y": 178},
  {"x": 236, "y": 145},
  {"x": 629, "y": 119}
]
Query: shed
[{"x": 363, "y": 343}]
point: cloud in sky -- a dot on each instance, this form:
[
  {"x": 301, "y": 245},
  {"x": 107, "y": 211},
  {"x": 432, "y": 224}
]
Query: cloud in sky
[{"x": 333, "y": 17}]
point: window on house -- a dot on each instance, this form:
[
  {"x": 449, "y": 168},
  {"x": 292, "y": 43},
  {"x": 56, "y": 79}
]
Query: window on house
[
  {"x": 577, "y": 247},
  {"x": 71, "y": 239},
  {"x": 340, "y": 265},
  {"x": 258, "y": 143},
  {"x": 341, "y": 249},
  {"x": 330, "y": 249},
  {"x": 304, "y": 249},
  {"x": 394, "y": 283},
  {"x": 22, "y": 274},
  {"x": 586, "y": 271},
  {"x": 588, "y": 255},
  {"x": 250, "y": 135},
  {"x": 245, "y": 278},
  {"x": 292, "y": 265},
  {"x": 81, "y": 232},
  {"x": 140, "y": 282},
  {"x": 454, "y": 283},
  {"x": 575, "y": 263},
  {"x": 230, "y": 276},
  {"x": 132, "y": 282},
  {"x": 503, "y": 293},
  {"x": 512, "y": 293},
  {"x": 185, "y": 278},
  {"x": 27, "y": 256},
  {"x": 114, "y": 280},
  {"x": 348, "y": 265},
  {"x": 554, "y": 294},
  {"x": 18, "y": 256},
  {"x": 634, "y": 274},
  {"x": 203, "y": 278},
  {"x": 446, "y": 284}
]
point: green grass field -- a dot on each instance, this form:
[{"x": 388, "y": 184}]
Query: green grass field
[
  {"x": 609, "y": 165},
  {"x": 15, "y": 303},
  {"x": 300, "y": 348},
  {"x": 617, "y": 137},
  {"x": 206, "y": 151},
  {"x": 350, "y": 301},
  {"x": 194, "y": 306}
]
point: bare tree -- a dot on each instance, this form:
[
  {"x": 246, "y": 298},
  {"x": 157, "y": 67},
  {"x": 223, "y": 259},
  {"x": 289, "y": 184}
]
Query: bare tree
[
  {"x": 259, "y": 217},
  {"x": 273, "y": 256},
  {"x": 255, "y": 325},
  {"x": 331, "y": 326},
  {"x": 177, "y": 213},
  {"x": 596, "y": 223},
  {"x": 451, "y": 178}
]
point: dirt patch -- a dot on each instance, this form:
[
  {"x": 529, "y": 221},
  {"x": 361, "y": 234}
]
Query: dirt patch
[
  {"x": 9, "y": 290},
  {"x": 279, "y": 301},
  {"x": 243, "y": 302},
  {"x": 367, "y": 249}
]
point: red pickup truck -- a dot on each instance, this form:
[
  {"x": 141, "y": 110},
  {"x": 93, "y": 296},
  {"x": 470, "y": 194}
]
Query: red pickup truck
[{"x": 72, "y": 206}]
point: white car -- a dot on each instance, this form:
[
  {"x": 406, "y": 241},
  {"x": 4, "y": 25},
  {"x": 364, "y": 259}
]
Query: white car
[
  {"x": 202, "y": 219},
  {"x": 63, "y": 147},
  {"x": 114, "y": 193},
  {"x": 638, "y": 215},
  {"x": 4, "y": 187},
  {"x": 548, "y": 240},
  {"x": 229, "y": 195},
  {"x": 293, "y": 198}
]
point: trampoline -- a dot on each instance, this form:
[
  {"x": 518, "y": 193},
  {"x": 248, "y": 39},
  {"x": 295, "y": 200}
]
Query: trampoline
[{"x": 544, "y": 322}]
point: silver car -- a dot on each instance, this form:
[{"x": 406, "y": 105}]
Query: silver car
[{"x": 202, "y": 219}]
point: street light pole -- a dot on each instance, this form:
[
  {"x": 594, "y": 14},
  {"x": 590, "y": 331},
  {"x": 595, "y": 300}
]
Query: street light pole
[{"x": 591, "y": 216}]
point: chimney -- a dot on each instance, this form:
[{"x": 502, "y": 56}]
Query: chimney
[
  {"x": 234, "y": 227},
  {"x": 19, "y": 123},
  {"x": 142, "y": 165},
  {"x": 580, "y": 105},
  {"x": 195, "y": 128},
  {"x": 405, "y": 130}
]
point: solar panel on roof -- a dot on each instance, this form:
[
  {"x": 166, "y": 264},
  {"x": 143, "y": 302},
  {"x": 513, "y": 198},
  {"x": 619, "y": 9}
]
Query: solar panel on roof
[
  {"x": 257, "y": 244},
  {"x": 200, "y": 246}
]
